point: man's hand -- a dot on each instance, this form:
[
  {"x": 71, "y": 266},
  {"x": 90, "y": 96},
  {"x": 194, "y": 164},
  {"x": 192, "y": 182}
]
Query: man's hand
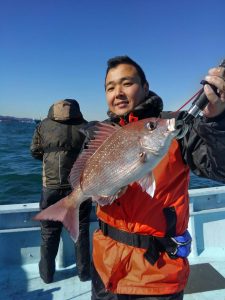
[{"x": 216, "y": 77}]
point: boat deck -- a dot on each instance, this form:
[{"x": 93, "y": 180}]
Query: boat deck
[{"x": 206, "y": 282}]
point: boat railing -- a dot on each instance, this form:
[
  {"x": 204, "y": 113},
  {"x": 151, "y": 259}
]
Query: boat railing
[{"x": 20, "y": 234}]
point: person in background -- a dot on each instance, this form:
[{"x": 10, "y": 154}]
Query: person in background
[
  {"x": 57, "y": 141},
  {"x": 136, "y": 254}
]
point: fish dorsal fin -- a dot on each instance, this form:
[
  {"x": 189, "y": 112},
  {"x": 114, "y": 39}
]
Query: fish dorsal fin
[{"x": 101, "y": 132}]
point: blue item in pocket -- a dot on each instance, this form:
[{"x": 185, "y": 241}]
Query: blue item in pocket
[{"x": 183, "y": 242}]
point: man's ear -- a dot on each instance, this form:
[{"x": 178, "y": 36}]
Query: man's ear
[{"x": 146, "y": 88}]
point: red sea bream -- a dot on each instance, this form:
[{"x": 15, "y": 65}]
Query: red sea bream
[{"x": 117, "y": 157}]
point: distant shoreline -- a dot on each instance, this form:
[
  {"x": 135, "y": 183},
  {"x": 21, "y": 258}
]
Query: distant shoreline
[{"x": 15, "y": 119}]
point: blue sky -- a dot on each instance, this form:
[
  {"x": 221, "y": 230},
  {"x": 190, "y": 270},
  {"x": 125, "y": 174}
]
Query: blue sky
[{"x": 54, "y": 49}]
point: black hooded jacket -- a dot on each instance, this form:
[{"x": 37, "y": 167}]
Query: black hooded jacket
[{"x": 57, "y": 142}]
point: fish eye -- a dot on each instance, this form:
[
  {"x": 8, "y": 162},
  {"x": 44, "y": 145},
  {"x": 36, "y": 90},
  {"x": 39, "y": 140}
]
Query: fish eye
[{"x": 151, "y": 125}]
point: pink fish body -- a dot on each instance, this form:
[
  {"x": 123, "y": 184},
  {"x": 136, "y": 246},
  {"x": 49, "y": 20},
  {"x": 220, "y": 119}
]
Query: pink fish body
[{"x": 117, "y": 157}]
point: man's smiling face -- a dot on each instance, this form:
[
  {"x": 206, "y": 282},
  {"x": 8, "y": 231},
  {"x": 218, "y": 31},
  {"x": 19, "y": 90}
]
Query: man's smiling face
[{"x": 124, "y": 90}]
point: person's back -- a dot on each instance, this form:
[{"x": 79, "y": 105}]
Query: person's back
[{"x": 57, "y": 141}]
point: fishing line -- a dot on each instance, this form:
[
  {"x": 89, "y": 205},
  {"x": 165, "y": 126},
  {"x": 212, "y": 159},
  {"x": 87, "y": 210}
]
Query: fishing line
[{"x": 189, "y": 100}]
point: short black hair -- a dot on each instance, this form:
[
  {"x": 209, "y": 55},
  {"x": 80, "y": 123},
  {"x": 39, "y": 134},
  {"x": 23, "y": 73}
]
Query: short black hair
[{"x": 118, "y": 60}]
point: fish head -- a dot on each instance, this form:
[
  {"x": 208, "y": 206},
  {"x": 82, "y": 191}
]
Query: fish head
[{"x": 157, "y": 135}]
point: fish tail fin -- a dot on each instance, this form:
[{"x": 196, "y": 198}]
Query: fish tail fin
[{"x": 65, "y": 212}]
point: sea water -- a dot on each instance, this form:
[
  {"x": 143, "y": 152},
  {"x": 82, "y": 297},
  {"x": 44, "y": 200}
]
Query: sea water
[{"x": 20, "y": 173}]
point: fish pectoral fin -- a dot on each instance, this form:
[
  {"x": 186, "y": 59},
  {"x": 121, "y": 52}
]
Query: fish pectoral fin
[
  {"x": 147, "y": 184},
  {"x": 62, "y": 211},
  {"x": 104, "y": 200}
]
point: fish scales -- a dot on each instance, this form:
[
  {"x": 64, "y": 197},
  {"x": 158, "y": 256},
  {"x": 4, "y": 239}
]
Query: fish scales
[{"x": 110, "y": 163}]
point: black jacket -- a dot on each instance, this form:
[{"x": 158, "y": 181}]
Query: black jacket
[{"x": 57, "y": 142}]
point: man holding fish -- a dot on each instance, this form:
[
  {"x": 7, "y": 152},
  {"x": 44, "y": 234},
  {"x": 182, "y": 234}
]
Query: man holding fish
[{"x": 138, "y": 172}]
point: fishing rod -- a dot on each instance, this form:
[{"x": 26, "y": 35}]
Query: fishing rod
[
  {"x": 201, "y": 101},
  {"x": 198, "y": 105}
]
